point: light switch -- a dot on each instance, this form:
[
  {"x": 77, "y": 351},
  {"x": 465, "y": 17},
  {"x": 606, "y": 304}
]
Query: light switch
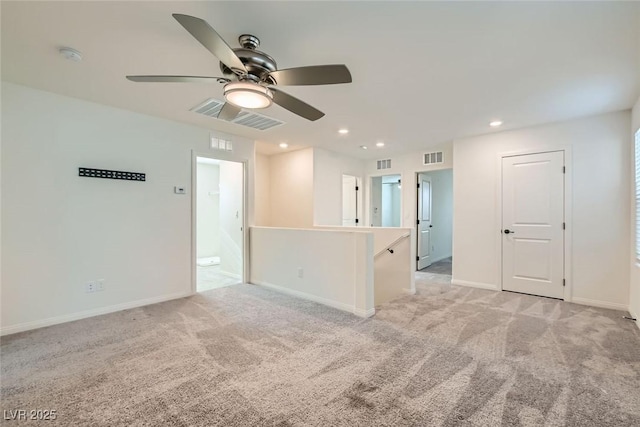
[{"x": 179, "y": 190}]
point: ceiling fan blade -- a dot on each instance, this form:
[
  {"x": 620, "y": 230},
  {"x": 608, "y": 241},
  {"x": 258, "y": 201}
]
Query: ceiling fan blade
[
  {"x": 207, "y": 36},
  {"x": 296, "y": 106},
  {"x": 229, "y": 112},
  {"x": 177, "y": 79},
  {"x": 313, "y": 75}
]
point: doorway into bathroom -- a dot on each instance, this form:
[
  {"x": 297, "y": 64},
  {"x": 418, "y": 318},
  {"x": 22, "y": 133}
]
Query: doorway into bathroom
[{"x": 219, "y": 220}]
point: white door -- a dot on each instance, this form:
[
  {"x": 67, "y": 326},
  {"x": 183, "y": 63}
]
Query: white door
[
  {"x": 424, "y": 221},
  {"x": 532, "y": 224},
  {"x": 349, "y": 201}
]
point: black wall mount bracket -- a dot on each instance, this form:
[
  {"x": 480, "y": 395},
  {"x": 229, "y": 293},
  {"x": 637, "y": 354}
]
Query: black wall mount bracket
[{"x": 110, "y": 174}]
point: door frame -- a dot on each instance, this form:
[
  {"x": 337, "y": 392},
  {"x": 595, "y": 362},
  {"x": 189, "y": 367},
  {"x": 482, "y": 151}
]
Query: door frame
[
  {"x": 194, "y": 235},
  {"x": 367, "y": 196},
  {"x": 568, "y": 212}
]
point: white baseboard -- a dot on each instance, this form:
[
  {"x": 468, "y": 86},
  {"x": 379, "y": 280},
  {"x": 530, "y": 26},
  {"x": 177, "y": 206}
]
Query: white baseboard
[
  {"x": 601, "y": 304},
  {"x": 331, "y": 303},
  {"x": 478, "y": 285},
  {"x": 409, "y": 291},
  {"x": 634, "y": 315},
  {"x": 232, "y": 275},
  {"x": 36, "y": 324},
  {"x": 364, "y": 313}
]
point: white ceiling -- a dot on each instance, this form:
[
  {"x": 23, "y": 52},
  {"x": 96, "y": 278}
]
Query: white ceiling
[{"x": 424, "y": 72}]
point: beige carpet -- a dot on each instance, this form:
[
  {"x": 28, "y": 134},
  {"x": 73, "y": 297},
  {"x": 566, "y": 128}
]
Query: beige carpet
[{"x": 243, "y": 355}]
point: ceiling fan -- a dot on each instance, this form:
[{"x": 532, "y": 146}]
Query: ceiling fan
[{"x": 250, "y": 76}]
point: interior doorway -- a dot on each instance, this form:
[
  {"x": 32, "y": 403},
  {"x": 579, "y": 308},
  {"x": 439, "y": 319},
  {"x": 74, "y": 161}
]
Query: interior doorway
[
  {"x": 386, "y": 201},
  {"x": 219, "y": 223},
  {"x": 434, "y": 225}
]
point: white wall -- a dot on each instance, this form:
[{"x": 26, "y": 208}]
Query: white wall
[
  {"x": 231, "y": 219},
  {"x": 634, "y": 289},
  {"x": 599, "y": 173},
  {"x": 208, "y": 210},
  {"x": 61, "y": 231},
  {"x": 336, "y": 266},
  {"x": 393, "y": 272},
  {"x": 441, "y": 214},
  {"x": 262, "y": 190},
  {"x": 291, "y": 189},
  {"x": 328, "y": 168}
]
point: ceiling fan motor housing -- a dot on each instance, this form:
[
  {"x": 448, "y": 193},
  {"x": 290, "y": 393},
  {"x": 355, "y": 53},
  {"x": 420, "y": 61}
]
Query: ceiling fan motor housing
[{"x": 257, "y": 63}]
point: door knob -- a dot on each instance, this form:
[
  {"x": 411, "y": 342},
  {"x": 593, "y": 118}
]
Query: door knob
[
  {"x": 507, "y": 231},
  {"x": 430, "y": 226}
]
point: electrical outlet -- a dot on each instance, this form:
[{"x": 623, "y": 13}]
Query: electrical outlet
[
  {"x": 90, "y": 287},
  {"x": 94, "y": 286},
  {"x": 300, "y": 272}
]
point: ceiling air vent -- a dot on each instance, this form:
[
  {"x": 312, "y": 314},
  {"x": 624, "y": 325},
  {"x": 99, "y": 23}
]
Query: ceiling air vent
[
  {"x": 383, "y": 164},
  {"x": 433, "y": 158},
  {"x": 211, "y": 108}
]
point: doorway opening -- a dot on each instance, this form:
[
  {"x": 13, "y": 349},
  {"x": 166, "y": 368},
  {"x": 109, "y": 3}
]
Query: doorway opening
[
  {"x": 386, "y": 201},
  {"x": 219, "y": 223},
  {"x": 434, "y": 225}
]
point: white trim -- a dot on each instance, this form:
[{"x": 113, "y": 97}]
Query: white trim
[
  {"x": 479, "y": 285},
  {"x": 231, "y": 275},
  {"x": 568, "y": 212},
  {"x": 21, "y": 327},
  {"x": 367, "y": 196},
  {"x": 635, "y": 316},
  {"x": 409, "y": 291},
  {"x": 601, "y": 304},
  {"x": 364, "y": 313},
  {"x": 324, "y": 301},
  {"x": 245, "y": 213}
]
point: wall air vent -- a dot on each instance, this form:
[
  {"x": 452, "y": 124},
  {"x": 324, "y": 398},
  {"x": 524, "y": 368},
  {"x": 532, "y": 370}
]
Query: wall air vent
[
  {"x": 433, "y": 158},
  {"x": 211, "y": 108},
  {"x": 383, "y": 164}
]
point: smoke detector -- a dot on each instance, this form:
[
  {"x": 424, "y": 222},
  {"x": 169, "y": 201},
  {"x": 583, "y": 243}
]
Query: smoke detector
[{"x": 70, "y": 54}]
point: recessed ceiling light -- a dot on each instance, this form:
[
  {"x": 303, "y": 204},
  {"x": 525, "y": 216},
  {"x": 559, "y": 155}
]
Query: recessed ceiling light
[
  {"x": 379, "y": 144},
  {"x": 283, "y": 145},
  {"x": 495, "y": 123},
  {"x": 364, "y": 147},
  {"x": 343, "y": 131},
  {"x": 70, "y": 54}
]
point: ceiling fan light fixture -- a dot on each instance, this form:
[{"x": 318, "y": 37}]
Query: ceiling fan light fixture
[{"x": 248, "y": 95}]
